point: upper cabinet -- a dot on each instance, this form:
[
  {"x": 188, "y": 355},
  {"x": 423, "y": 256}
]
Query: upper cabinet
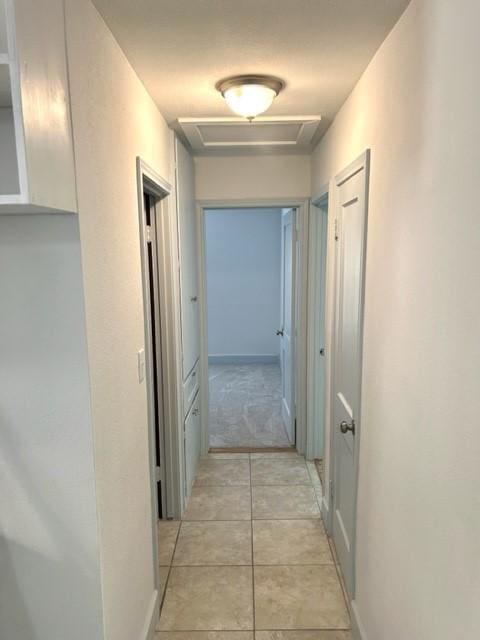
[
  {"x": 187, "y": 230},
  {"x": 37, "y": 171}
]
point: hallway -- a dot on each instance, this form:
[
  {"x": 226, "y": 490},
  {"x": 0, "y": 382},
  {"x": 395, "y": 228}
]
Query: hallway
[
  {"x": 251, "y": 558},
  {"x": 246, "y": 406}
]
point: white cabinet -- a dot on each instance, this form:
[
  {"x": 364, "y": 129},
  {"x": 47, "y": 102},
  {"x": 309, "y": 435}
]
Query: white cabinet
[
  {"x": 192, "y": 444},
  {"x": 189, "y": 310},
  {"x": 190, "y": 388},
  {"x": 37, "y": 171},
  {"x": 187, "y": 230}
]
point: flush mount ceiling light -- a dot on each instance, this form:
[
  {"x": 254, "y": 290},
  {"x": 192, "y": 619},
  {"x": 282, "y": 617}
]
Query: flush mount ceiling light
[{"x": 249, "y": 96}]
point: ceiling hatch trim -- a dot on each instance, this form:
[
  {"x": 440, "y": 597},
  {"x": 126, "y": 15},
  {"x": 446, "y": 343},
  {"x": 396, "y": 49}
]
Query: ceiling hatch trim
[{"x": 281, "y": 133}]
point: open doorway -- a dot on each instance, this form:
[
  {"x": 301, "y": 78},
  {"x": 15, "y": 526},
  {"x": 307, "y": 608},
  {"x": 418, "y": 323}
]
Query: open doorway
[
  {"x": 317, "y": 352},
  {"x": 155, "y": 368},
  {"x": 250, "y": 268}
]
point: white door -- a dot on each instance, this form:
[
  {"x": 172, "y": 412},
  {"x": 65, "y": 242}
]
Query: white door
[
  {"x": 351, "y": 218},
  {"x": 187, "y": 230},
  {"x": 287, "y": 319},
  {"x": 192, "y": 444}
]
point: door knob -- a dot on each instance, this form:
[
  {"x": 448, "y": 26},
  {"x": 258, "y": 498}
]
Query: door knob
[
  {"x": 280, "y": 332},
  {"x": 345, "y": 427}
]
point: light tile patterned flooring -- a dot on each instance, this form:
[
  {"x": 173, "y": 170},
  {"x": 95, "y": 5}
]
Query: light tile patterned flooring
[{"x": 251, "y": 560}]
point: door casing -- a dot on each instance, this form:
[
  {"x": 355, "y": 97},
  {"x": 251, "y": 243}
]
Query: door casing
[
  {"x": 302, "y": 208},
  {"x": 317, "y": 301},
  {"x": 148, "y": 180},
  {"x": 288, "y": 324}
]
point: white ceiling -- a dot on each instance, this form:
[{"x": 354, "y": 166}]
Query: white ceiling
[{"x": 181, "y": 48}]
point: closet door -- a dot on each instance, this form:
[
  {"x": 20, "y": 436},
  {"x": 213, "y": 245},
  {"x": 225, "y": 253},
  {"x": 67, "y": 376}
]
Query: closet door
[
  {"x": 187, "y": 223},
  {"x": 192, "y": 445}
]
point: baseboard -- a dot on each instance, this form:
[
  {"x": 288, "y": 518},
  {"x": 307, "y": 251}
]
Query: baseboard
[
  {"x": 242, "y": 359},
  {"x": 151, "y": 619},
  {"x": 358, "y": 630},
  {"x": 325, "y": 513}
]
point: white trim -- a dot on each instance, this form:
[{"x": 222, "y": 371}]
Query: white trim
[
  {"x": 202, "y": 309},
  {"x": 324, "y": 508},
  {"x": 330, "y": 278},
  {"x": 149, "y": 180},
  {"x": 316, "y": 256},
  {"x": 243, "y": 121},
  {"x": 302, "y": 207},
  {"x": 194, "y": 130},
  {"x": 358, "y": 630},
  {"x": 152, "y": 617}
]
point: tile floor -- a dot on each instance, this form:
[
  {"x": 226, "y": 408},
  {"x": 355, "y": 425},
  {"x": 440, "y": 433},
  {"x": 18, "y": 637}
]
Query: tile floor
[
  {"x": 246, "y": 406},
  {"x": 251, "y": 560}
]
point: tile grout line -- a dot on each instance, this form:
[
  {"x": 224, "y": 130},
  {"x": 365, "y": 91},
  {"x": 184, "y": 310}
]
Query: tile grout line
[
  {"x": 258, "y": 564},
  {"x": 321, "y": 629},
  {"x": 277, "y": 484},
  {"x": 252, "y": 565},
  {"x": 170, "y": 566},
  {"x": 251, "y": 540},
  {"x": 340, "y": 577}
]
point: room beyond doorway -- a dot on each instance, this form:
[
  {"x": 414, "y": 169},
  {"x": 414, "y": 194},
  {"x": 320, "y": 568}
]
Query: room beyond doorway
[
  {"x": 249, "y": 268},
  {"x": 246, "y": 406}
]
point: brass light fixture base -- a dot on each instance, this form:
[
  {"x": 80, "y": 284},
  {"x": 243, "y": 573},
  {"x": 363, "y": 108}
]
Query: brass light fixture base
[{"x": 238, "y": 81}]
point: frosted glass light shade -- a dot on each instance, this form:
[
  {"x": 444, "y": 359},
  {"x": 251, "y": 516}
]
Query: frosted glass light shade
[{"x": 249, "y": 100}]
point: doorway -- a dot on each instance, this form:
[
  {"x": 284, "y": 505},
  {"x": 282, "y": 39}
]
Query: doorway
[
  {"x": 317, "y": 351},
  {"x": 152, "y": 208},
  {"x": 157, "y": 361},
  {"x": 250, "y": 259}
]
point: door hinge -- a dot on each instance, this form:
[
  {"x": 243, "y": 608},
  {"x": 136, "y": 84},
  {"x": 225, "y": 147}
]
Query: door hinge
[
  {"x": 158, "y": 473},
  {"x": 148, "y": 233},
  {"x": 331, "y": 491},
  {"x": 336, "y": 230}
]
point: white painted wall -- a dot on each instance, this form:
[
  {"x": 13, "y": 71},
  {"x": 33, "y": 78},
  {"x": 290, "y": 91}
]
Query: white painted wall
[
  {"x": 243, "y": 253},
  {"x": 252, "y": 177},
  {"x": 416, "y": 107},
  {"x": 114, "y": 121},
  {"x": 49, "y": 561}
]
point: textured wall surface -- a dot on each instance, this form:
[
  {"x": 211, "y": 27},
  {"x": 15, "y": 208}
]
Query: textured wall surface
[
  {"x": 243, "y": 251},
  {"x": 252, "y": 177},
  {"x": 416, "y": 107},
  {"x": 114, "y": 121},
  {"x": 49, "y": 561}
]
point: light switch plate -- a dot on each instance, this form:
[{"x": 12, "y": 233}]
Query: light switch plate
[{"x": 141, "y": 365}]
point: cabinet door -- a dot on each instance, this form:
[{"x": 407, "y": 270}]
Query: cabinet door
[
  {"x": 192, "y": 444},
  {"x": 187, "y": 228},
  {"x": 37, "y": 161}
]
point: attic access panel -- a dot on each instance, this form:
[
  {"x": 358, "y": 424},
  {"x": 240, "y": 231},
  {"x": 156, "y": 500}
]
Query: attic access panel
[{"x": 210, "y": 135}]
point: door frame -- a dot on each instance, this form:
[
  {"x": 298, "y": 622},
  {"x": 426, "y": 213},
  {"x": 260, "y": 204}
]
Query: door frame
[
  {"x": 150, "y": 181},
  {"x": 301, "y": 298},
  {"x": 316, "y": 257},
  {"x": 361, "y": 162},
  {"x": 292, "y": 312}
]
